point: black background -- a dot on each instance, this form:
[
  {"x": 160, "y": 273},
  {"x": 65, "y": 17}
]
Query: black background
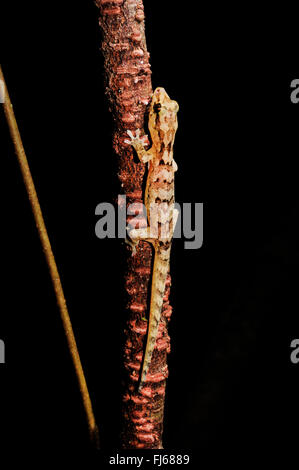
[{"x": 232, "y": 388}]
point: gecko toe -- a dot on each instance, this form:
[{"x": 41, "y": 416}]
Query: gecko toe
[{"x": 130, "y": 134}]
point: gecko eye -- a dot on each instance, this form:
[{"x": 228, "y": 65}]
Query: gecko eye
[{"x": 157, "y": 107}]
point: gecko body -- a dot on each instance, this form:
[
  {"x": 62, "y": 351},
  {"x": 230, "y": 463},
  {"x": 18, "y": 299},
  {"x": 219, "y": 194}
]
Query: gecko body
[{"x": 159, "y": 203}]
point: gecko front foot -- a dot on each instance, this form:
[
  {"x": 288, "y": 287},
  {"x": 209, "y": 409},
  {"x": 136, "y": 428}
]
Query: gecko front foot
[
  {"x": 139, "y": 144},
  {"x": 135, "y": 140}
]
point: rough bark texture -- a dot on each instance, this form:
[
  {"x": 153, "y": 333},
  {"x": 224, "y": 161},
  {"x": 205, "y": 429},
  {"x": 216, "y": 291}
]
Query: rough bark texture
[{"x": 129, "y": 89}]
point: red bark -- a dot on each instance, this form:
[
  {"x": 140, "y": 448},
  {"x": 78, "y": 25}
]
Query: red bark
[{"x": 129, "y": 89}]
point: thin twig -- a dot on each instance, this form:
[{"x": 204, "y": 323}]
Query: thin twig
[{"x": 43, "y": 235}]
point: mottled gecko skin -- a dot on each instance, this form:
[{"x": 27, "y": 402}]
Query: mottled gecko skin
[{"x": 159, "y": 202}]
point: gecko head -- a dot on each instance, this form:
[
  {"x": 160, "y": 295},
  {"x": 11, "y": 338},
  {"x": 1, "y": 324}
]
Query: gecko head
[
  {"x": 163, "y": 113},
  {"x": 161, "y": 101}
]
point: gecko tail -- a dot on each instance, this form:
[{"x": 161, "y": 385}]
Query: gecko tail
[
  {"x": 140, "y": 386},
  {"x": 158, "y": 288},
  {"x": 145, "y": 367},
  {"x": 147, "y": 360},
  {"x": 154, "y": 320}
]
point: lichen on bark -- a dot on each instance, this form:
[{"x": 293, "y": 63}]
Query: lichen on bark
[{"x": 129, "y": 89}]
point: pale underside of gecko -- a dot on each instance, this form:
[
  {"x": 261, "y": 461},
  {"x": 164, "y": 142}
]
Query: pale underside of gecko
[{"x": 159, "y": 203}]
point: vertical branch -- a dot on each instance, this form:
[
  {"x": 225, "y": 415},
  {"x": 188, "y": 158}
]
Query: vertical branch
[{"x": 129, "y": 89}]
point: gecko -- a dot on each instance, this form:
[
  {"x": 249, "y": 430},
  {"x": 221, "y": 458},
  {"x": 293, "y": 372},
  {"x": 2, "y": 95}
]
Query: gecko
[{"x": 159, "y": 202}]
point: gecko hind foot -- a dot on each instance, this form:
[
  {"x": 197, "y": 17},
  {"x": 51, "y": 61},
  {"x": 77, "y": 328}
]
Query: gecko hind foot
[{"x": 132, "y": 243}]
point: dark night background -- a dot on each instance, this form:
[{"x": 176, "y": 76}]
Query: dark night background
[{"x": 232, "y": 388}]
